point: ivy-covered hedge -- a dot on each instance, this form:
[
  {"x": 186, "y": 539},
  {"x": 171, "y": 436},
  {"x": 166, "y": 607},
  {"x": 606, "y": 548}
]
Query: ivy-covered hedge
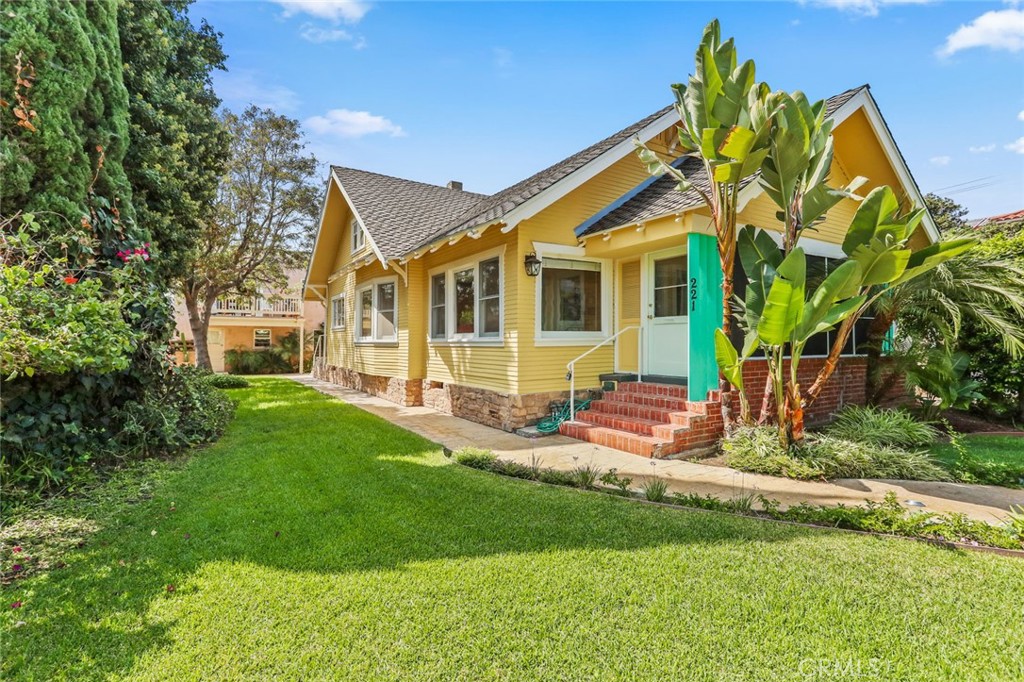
[{"x": 84, "y": 316}]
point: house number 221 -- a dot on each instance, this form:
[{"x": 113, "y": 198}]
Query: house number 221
[{"x": 693, "y": 294}]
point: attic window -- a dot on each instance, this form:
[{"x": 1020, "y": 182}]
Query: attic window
[{"x": 358, "y": 236}]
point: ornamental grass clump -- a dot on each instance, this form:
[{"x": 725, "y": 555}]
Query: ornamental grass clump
[{"x": 881, "y": 427}]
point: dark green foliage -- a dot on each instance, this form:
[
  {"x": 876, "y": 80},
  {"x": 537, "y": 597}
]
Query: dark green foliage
[
  {"x": 881, "y": 427},
  {"x": 178, "y": 146},
  {"x": 81, "y": 105},
  {"x": 227, "y": 381},
  {"x": 65, "y": 183},
  {"x": 826, "y": 456},
  {"x": 475, "y": 458},
  {"x": 556, "y": 477},
  {"x": 265, "y": 361}
]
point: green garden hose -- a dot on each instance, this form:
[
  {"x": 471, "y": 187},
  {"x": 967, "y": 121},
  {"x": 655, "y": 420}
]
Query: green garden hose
[{"x": 551, "y": 424}]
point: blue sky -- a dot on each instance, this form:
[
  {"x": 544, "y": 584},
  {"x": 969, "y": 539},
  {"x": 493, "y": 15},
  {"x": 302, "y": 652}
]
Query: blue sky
[{"x": 489, "y": 92}]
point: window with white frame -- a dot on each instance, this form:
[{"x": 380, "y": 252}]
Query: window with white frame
[
  {"x": 261, "y": 338},
  {"x": 378, "y": 311},
  {"x": 338, "y": 312},
  {"x": 358, "y": 236},
  {"x": 466, "y": 301},
  {"x": 570, "y": 296}
]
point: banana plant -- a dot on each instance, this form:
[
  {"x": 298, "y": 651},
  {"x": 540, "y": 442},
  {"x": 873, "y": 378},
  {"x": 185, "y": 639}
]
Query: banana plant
[
  {"x": 879, "y": 240},
  {"x": 724, "y": 121}
]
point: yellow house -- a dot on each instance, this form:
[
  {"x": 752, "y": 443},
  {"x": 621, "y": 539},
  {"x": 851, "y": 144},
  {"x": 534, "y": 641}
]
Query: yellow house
[{"x": 590, "y": 271}]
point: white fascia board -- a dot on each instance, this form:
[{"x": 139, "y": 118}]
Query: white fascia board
[
  {"x": 319, "y": 230},
  {"x": 546, "y": 197},
  {"x": 355, "y": 212}
]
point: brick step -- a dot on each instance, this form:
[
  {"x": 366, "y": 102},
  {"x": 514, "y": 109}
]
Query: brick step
[
  {"x": 666, "y": 390},
  {"x": 662, "y": 415},
  {"x": 644, "y": 427},
  {"x": 648, "y": 400},
  {"x": 645, "y": 446}
]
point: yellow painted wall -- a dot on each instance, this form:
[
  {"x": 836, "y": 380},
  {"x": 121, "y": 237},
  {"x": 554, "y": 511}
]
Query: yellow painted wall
[
  {"x": 483, "y": 365},
  {"x": 628, "y": 310}
]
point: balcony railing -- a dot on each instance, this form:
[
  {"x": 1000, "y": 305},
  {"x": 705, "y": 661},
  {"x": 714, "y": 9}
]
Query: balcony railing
[{"x": 258, "y": 306}]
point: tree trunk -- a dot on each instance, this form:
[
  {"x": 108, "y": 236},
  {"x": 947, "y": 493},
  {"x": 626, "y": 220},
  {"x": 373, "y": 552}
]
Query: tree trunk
[
  {"x": 833, "y": 359},
  {"x": 199, "y": 321},
  {"x": 766, "y": 400},
  {"x": 878, "y": 382}
]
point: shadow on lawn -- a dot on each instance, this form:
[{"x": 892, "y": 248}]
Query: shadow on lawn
[{"x": 304, "y": 483}]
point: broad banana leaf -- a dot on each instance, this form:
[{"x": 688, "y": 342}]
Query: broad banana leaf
[
  {"x": 844, "y": 278},
  {"x": 932, "y": 256},
  {"x": 728, "y": 360},
  {"x": 881, "y": 261},
  {"x": 878, "y": 208},
  {"x": 785, "y": 304}
]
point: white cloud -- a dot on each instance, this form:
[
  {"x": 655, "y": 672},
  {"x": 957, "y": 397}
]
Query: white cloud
[
  {"x": 1020, "y": 116},
  {"x": 348, "y": 123},
  {"x": 982, "y": 149},
  {"x": 315, "y": 34},
  {"x": 349, "y": 11},
  {"x": 869, "y": 8},
  {"x": 1017, "y": 146},
  {"x": 502, "y": 57},
  {"x": 940, "y": 160},
  {"x": 997, "y": 30},
  {"x": 243, "y": 87}
]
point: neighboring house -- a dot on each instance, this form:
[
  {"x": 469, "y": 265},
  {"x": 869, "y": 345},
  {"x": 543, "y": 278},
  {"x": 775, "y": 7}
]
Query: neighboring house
[
  {"x": 476, "y": 304},
  {"x": 253, "y": 323},
  {"x": 1006, "y": 218}
]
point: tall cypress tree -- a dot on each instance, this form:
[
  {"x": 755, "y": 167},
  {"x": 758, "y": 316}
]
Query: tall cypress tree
[{"x": 178, "y": 145}]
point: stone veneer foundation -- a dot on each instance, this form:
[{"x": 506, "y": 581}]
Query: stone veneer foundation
[{"x": 499, "y": 410}]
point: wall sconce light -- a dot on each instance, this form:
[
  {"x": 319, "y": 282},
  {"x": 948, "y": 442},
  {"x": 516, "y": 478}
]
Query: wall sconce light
[{"x": 532, "y": 264}]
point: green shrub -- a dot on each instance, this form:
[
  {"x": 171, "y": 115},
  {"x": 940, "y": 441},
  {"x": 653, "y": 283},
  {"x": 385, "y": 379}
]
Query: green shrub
[
  {"x": 475, "y": 458},
  {"x": 883, "y": 427},
  {"x": 655, "y": 489},
  {"x": 227, "y": 381},
  {"x": 513, "y": 469},
  {"x": 612, "y": 479},
  {"x": 757, "y": 450},
  {"x": 556, "y": 477},
  {"x": 842, "y": 458},
  {"x": 266, "y": 361},
  {"x": 585, "y": 475}
]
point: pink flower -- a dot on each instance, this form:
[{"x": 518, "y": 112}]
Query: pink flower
[
  {"x": 16, "y": 548},
  {"x": 16, "y": 567},
  {"x": 16, "y": 605}
]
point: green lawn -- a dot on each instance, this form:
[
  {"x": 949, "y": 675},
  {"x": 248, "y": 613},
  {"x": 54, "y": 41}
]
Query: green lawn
[
  {"x": 324, "y": 543},
  {"x": 999, "y": 460}
]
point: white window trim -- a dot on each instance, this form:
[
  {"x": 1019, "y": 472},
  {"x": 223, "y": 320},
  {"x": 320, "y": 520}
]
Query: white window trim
[
  {"x": 356, "y": 228},
  {"x": 583, "y": 338},
  {"x": 344, "y": 312},
  {"x": 357, "y": 320},
  {"x": 449, "y": 270},
  {"x": 270, "y": 339}
]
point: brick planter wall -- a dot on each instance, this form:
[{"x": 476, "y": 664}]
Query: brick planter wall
[{"x": 846, "y": 385}]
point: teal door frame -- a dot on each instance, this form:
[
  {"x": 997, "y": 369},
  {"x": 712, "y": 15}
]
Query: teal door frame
[{"x": 705, "y": 291}]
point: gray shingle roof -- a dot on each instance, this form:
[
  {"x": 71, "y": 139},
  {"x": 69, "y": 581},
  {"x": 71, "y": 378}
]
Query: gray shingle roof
[
  {"x": 399, "y": 214},
  {"x": 403, "y": 215},
  {"x": 659, "y": 197}
]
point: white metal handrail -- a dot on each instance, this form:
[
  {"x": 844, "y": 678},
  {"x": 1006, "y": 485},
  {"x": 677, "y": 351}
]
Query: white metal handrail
[{"x": 571, "y": 366}]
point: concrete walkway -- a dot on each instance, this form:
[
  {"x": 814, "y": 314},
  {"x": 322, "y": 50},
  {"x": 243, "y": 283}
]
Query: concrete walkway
[{"x": 986, "y": 503}]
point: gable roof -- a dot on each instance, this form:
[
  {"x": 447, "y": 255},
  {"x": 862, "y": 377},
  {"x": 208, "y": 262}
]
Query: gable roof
[
  {"x": 658, "y": 196},
  {"x": 398, "y": 213}
]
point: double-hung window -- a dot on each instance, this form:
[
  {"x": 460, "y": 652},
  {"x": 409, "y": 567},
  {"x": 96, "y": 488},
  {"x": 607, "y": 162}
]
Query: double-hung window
[
  {"x": 466, "y": 301},
  {"x": 261, "y": 338},
  {"x": 358, "y": 236},
  {"x": 377, "y": 311},
  {"x": 338, "y": 312}
]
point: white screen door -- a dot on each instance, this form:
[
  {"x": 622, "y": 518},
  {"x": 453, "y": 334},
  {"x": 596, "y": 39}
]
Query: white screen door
[{"x": 666, "y": 319}]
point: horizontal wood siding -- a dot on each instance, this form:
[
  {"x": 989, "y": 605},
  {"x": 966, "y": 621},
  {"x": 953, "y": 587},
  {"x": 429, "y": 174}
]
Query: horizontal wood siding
[{"x": 482, "y": 365}]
